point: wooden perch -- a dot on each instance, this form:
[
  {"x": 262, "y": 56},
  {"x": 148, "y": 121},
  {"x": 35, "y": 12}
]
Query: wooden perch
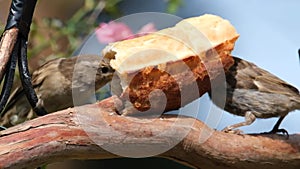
[{"x": 59, "y": 136}]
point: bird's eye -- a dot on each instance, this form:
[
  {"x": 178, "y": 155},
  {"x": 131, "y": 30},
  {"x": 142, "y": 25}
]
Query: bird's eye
[{"x": 104, "y": 69}]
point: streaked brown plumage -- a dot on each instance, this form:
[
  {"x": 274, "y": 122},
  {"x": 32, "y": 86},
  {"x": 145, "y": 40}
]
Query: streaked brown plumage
[
  {"x": 54, "y": 82},
  {"x": 256, "y": 93}
]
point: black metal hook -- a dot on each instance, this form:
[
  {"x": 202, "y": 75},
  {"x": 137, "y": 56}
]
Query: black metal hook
[
  {"x": 20, "y": 16},
  {"x": 9, "y": 77},
  {"x": 26, "y": 80}
]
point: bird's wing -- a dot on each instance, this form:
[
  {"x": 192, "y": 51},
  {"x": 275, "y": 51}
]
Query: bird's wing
[
  {"x": 17, "y": 95},
  {"x": 252, "y": 77},
  {"x": 39, "y": 75},
  {"x": 272, "y": 84},
  {"x": 13, "y": 98},
  {"x": 37, "y": 80}
]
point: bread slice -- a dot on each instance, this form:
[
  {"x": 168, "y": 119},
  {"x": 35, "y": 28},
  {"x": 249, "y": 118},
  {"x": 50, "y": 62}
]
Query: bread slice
[{"x": 168, "y": 69}]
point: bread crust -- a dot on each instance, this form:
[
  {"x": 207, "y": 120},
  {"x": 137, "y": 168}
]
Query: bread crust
[{"x": 166, "y": 70}]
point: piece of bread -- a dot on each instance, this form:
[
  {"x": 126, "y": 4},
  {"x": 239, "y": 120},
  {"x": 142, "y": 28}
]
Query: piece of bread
[{"x": 179, "y": 61}]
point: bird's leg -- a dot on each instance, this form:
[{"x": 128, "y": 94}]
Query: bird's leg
[
  {"x": 276, "y": 128},
  {"x": 249, "y": 119}
]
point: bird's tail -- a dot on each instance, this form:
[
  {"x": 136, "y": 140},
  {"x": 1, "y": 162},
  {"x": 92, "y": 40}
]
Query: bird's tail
[
  {"x": 296, "y": 100},
  {"x": 299, "y": 62},
  {"x": 299, "y": 54}
]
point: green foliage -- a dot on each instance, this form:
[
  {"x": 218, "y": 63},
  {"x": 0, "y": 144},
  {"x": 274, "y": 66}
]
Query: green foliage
[
  {"x": 1, "y": 28},
  {"x": 77, "y": 27},
  {"x": 111, "y": 7},
  {"x": 173, "y": 6},
  {"x": 73, "y": 30}
]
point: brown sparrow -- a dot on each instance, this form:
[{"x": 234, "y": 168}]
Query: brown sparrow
[
  {"x": 54, "y": 82},
  {"x": 256, "y": 93}
]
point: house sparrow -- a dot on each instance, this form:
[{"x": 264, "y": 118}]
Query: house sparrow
[
  {"x": 255, "y": 93},
  {"x": 53, "y": 83}
]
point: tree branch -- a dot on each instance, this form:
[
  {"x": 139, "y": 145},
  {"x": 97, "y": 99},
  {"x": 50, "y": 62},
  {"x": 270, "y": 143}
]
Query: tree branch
[{"x": 59, "y": 136}]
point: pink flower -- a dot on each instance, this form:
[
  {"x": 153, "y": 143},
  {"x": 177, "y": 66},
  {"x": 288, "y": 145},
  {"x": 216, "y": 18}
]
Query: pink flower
[
  {"x": 146, "y": 29},
  {"x": 112, "y": 32},
  {"x": 117, "y": 31}
]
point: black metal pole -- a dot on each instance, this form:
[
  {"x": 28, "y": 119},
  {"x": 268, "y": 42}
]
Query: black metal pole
[{"x": 9, "y": 77}]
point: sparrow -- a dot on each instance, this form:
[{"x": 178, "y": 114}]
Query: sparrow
[
  {"x": 54, "y": 83},
  {"x": 253, "y": 92}
]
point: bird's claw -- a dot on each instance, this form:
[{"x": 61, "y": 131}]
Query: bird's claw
[
  {"x": 276, "y": 131},
  {"x": 236, "y": 131}
]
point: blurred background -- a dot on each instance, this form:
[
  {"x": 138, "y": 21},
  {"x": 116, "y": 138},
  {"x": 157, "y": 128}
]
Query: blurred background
[{"x": 269, "y": 37}]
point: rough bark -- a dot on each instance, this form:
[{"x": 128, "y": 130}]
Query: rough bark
[{"x": 59, "y": 136}]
